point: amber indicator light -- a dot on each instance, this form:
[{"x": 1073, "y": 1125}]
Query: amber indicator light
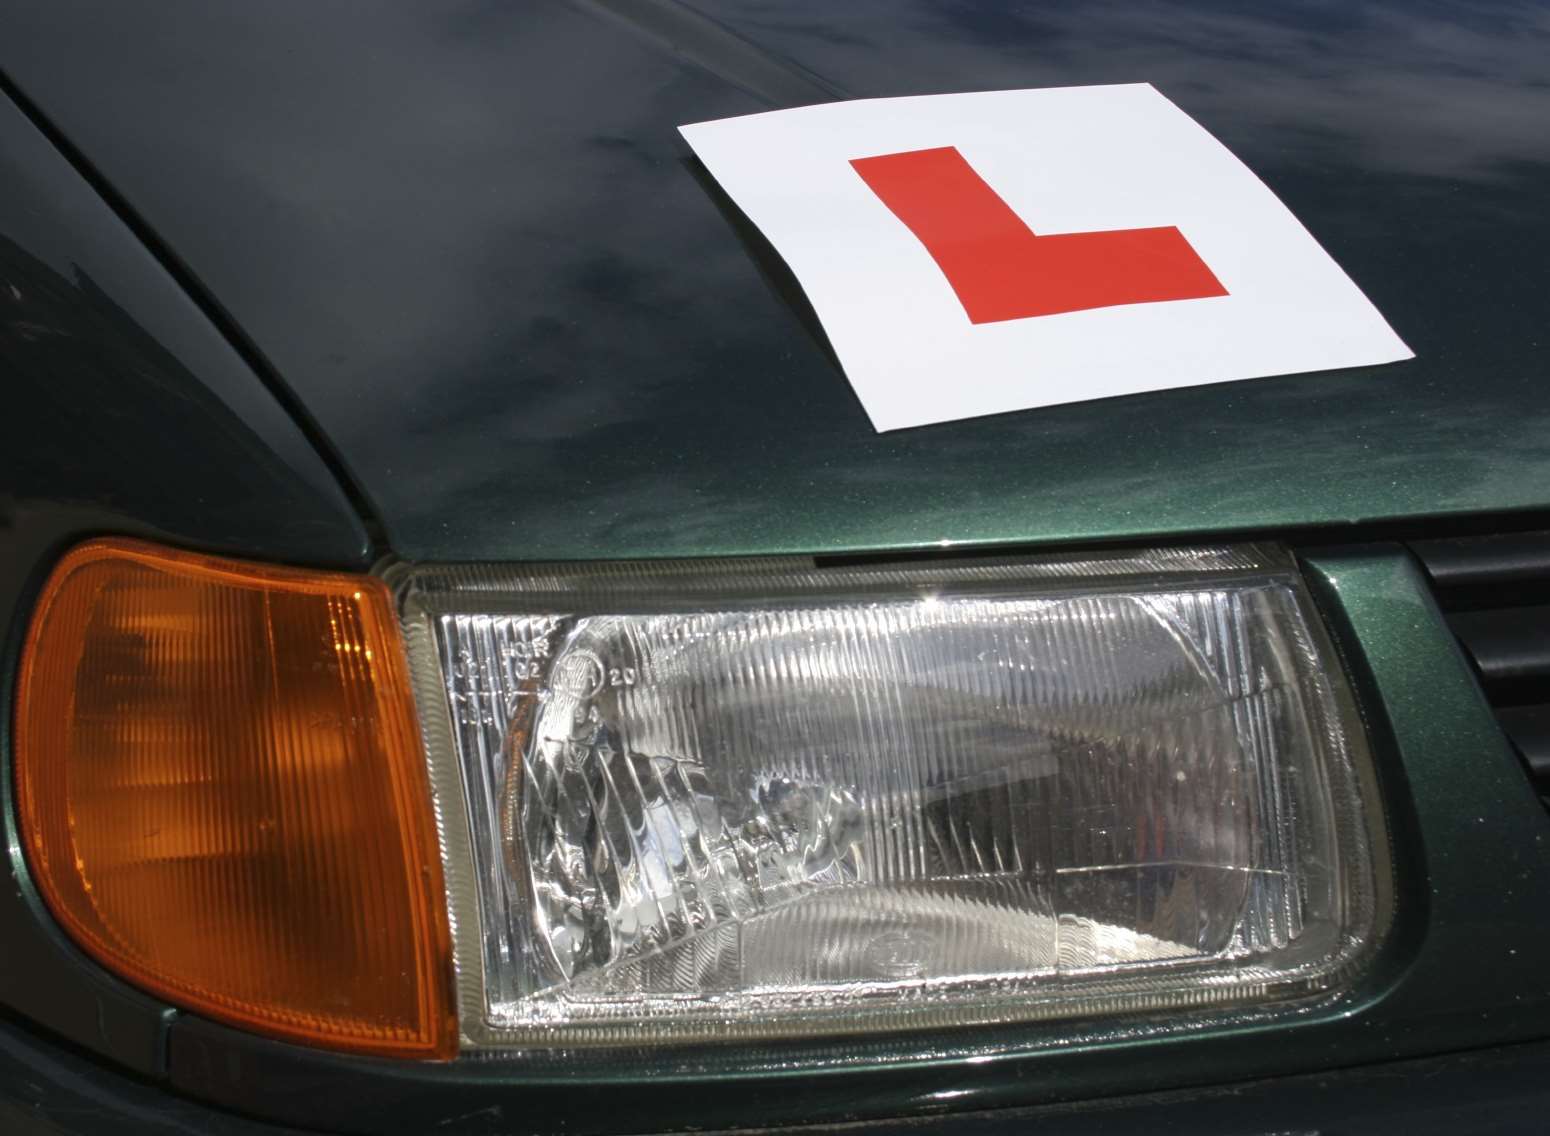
[{"x": 223, "y": 798}]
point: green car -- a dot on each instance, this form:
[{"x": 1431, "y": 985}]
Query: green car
[{"x": 472, "y": 663}]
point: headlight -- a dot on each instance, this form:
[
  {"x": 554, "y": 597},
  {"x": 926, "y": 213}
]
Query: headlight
[{"x": 774, "y": 799}]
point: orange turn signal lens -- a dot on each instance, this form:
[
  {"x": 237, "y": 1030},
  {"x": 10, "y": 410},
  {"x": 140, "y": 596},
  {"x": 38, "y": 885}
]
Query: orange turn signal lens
[{"x": 223, "y": 798}]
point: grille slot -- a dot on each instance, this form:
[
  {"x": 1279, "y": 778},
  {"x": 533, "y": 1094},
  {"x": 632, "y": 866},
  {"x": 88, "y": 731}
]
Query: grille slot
[{"x": 1495, "y": 592}]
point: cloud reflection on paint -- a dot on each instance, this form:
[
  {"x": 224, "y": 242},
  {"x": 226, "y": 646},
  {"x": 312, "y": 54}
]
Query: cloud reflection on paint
[{"x": 466, "y": 236}]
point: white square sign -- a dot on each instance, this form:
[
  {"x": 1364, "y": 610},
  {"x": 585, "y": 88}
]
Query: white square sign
[{"x": 978, "y": 253}]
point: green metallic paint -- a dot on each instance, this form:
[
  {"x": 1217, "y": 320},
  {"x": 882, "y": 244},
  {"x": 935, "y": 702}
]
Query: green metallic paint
[
  {"x": 1480, "y": 848},
  {"x": 507, "y": 366},
  {"x": 476, "y": 251},
  {"x": 1463, "y": 967}
]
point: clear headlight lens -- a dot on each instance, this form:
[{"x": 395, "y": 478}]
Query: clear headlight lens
[{"x": 772, "y": 799}]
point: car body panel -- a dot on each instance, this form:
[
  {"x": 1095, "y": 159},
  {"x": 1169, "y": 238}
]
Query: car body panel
[
  {"x": 47, "y": 1090},
  {"x": 124, "y": 403},
  {"x": 470, "y": 240},
  {"x": 328, "y": 282}
]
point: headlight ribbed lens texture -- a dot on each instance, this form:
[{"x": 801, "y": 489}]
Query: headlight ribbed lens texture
[{"x": 779, "y": 799}]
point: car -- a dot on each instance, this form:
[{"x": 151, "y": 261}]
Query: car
[{"x": 471, "y": 664}]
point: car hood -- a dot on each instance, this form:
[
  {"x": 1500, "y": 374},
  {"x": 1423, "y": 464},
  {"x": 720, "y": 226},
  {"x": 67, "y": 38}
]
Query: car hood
[{"x": 469, "y": 239}]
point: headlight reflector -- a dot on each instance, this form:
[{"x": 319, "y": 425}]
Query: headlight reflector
[{"x": 776, "y": 799}]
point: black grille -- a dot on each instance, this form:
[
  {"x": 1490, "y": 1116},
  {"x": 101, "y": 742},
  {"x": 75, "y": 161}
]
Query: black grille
[{"x": 1495, "y": 591}]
